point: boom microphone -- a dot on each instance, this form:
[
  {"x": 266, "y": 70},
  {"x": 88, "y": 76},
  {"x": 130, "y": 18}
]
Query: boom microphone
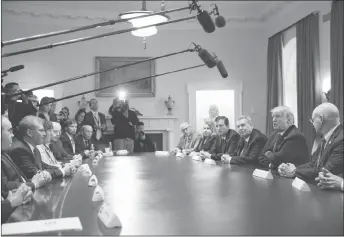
[
  {"x": 206, "y": 57},
  {"x": 220, "y": 21},
  {"x": 12, "y": 69},
  {"x": 221, "y": 68},
  {"x": 204, "y": 19}
]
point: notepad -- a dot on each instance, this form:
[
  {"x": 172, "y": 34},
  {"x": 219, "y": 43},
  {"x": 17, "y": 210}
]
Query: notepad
[
  {"x": 162, "y": 153},
  {"x": 41, "y": 226}
]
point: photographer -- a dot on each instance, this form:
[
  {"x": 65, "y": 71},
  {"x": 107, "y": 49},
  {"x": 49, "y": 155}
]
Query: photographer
[
  {"x": 142, "y": 142},
  {"x": 124, "y": 121}
]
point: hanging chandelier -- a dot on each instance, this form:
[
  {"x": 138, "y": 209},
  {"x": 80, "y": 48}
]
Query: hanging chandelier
[{"x": 149, "y": 20}]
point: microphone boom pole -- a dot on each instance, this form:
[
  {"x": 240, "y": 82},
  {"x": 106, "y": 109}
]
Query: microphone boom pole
[
  {"x": 124, "y": 83},
  {"x": 49, "y": 46},
  {"x": 87, "y": 27},
  {"x": 98, "y": 72}
]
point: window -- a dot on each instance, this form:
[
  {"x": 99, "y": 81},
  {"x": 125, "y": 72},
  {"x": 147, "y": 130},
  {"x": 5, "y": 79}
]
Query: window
[
  {"x": 289, "y": 71},
  {"x": 42, "y": 93}
]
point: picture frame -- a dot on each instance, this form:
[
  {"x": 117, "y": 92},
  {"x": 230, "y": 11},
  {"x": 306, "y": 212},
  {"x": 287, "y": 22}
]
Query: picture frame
[{"x": 143, "y": 88}]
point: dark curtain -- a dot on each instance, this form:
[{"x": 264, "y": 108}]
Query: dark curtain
[
  {"x": 337, "y": 56},
  {"x": 274, "y": 76},
  {"x": 308, "y": 73}
]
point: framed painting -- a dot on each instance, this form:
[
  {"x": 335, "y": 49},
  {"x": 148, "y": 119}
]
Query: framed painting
[{"x": 142, "y": 88}]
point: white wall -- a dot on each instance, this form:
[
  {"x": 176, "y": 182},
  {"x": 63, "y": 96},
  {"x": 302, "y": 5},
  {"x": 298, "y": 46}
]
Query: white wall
[
  {"x": 243, "y": 50},
  {"x": 297, "y": 12}
]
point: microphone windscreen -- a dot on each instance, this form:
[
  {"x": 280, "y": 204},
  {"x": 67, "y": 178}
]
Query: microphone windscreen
[
  {"x": 16, "y": 68},
  {"x": 222, "y": 69},
  {"x": 207, "y": 58},
  {"x": 220, "y": 21},
  {"x": 206, "y": 21}
]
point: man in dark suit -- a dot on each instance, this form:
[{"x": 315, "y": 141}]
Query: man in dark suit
[
  {"x": 286, "y": 144},
  {"x": 83, "y": 142},
  {"x": 30, "y": 134},
  {"x": 59, "y": 152},
  {"x": 68, "y": 136},
  {"x": 250, "y": 145},
  {"x": 226, "y": 140},
  {"x": 97, "y": 121},
  {"x": 330, "y": 153},
  {"x": 11, "y": 175},
  {"x": 142, "y": 143}
]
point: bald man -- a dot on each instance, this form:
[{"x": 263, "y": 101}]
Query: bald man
[
  {"x": 83, "y": 141},
  {"x": 329, "y": 155}
]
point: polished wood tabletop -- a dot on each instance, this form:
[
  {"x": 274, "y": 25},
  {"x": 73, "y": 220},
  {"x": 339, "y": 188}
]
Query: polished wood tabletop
[{"x": 154, "y": 195}]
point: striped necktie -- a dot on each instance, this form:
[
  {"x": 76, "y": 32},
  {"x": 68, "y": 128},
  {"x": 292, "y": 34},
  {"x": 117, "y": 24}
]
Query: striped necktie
[{"x": 320, "y": 153}]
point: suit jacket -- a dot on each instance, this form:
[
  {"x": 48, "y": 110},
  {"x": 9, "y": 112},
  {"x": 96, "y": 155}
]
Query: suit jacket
[
  {"x": 289, "y": 148},
  {"x": 255, "y": 146},
  {"x": 59, "y": 152},
  {"x": 11, "y": 176},
  {"x": 206, "y": 143},
  {"x": 80, "y": 145},
  {"x": 89, "y": 120},
  {"x": 147, "y": 145},
  {"x": 66, "y": 144},
  {"x": 28, "y": 162},
  {"x": 331, "y": 158},
  {"x": 230, "y": 145},
  {"x": 6, "y": 210},
  {"x": 17, "y": 111}
]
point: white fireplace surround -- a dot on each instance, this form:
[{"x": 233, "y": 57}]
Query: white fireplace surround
[{"x": 155, "y": 124}]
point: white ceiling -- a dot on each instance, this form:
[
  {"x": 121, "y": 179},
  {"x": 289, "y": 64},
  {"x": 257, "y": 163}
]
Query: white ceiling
[{"x": 240, "y": 12}]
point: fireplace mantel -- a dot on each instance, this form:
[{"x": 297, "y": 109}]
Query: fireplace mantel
[{"x": 154, "y": 124}]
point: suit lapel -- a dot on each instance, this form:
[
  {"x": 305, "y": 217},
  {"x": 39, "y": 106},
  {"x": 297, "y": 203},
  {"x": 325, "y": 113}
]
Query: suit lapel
[
  {"x": 329, "y": 144},
  {"x": 9, "y": 161}
]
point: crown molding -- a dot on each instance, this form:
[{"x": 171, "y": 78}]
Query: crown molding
[{"x": 273, "y": 9}]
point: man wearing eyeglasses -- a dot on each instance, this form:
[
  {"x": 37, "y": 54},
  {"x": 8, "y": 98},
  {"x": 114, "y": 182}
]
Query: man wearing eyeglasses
[
  {"x": 30, "y": 134},
  {"x": 329, "y": 155}
]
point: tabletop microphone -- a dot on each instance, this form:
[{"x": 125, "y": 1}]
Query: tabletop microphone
[
  {"x": 221, "y": 68},
  {"x": 220, "y": 21}
]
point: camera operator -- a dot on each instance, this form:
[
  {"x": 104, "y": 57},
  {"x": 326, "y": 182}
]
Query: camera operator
[
  {"x": 142, "y": 142},
  {"x": 124, "y": 121},
  {"x": 18, "y": 106}
]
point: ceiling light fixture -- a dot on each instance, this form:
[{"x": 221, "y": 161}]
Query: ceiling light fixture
[{"x": 149, "y": 20}]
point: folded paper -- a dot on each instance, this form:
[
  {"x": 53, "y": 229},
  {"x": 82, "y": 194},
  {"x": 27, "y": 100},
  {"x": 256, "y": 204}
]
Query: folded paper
[
  {"x": 98, "y": 194},
  {"x": 197, "y": 158},
  {"x": 122, "y": 152},
  {"x": 42, "y": 226},
  {"x": 209, "y": 161},
  {"x": 95, "y": 161},
  {"x": 108, "y": 216},
  {"x": 300, "y": 185},
  {"x": 180, "y": 155},
  {"x": 93, "y": 181},
  {"x": 262, "y": 174}
]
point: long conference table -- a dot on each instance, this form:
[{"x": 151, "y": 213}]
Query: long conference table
[{"x": 157, "y": 195}]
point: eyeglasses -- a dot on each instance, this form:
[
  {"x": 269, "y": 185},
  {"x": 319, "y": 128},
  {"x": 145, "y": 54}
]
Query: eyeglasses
[{"x": 312, "y": 119}]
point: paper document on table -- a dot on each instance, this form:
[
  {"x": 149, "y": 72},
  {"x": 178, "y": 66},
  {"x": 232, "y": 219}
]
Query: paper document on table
[
  {"x": 262, "y": 174},
  {"x": 41, "y": 226}
]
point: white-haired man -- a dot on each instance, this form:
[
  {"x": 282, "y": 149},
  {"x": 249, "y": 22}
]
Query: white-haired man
[
  {"x": 286, "y": 144},
  {"x": 329, "y": 155},
  {"x": 83, "y": 142}
]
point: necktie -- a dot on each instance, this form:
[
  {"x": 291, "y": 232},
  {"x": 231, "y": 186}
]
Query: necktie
[
  {"x": 243, "y": 151},
  {"x": 278, "y": 141},
  {"x": 86, "y": 143},
  {"x": 323, "y": 143},
  {"x": 73, "y": 144},
  {"x": 97, "y": 121},
  {"x": 50, "y": 155},
  {"x": 223, "y": 144}
]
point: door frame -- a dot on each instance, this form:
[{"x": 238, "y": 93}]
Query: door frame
[{"x": 234, "y": 85}]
